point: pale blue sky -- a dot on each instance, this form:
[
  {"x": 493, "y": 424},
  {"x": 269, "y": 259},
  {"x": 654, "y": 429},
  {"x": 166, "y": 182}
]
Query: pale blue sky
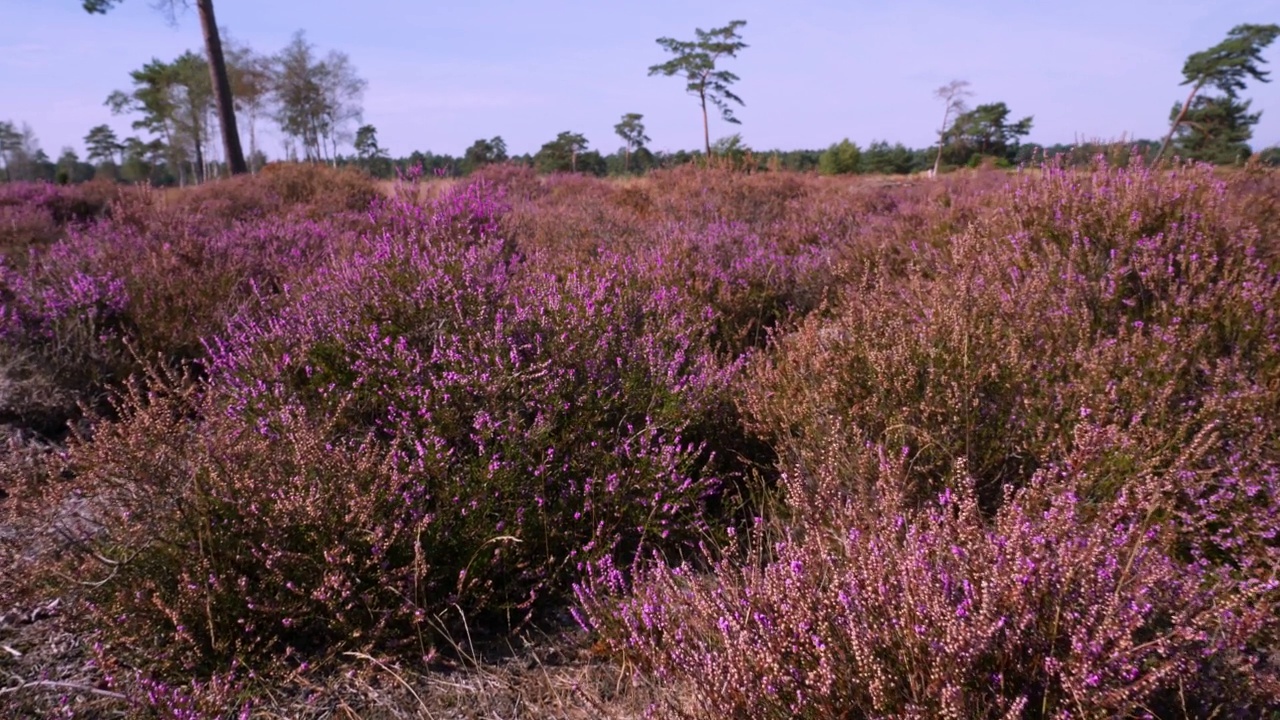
[{"x": 443, "y": 74}]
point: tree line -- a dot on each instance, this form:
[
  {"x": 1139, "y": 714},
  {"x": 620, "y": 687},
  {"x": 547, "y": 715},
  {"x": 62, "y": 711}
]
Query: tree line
[{"x": 315, "y": 101}]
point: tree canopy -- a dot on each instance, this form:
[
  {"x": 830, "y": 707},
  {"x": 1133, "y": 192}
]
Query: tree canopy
[
  {"x": 842, "y": 158},
  {"x": 1215, "y": 129},
  {"x": 985, "y": 131},
  {"x": 631, "y": 130},
  {"x": 953, "y": 96},
  {"x": 1224, "y": 66},
  {"x": 695, "y": 61},
  {"x": 568, "y": 153},
  {"x": 174, "y": 100},
  {"x": 316, "y": 99},
  {"x": 102, "y": 144},
  {"x": 484, "y": 152}
]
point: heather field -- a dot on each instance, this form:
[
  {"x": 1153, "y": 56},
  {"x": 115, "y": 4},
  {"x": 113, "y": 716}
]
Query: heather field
[{"x": 704, "y": 444}]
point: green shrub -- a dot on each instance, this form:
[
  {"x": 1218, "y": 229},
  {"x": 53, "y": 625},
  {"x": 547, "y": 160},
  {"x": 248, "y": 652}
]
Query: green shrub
[{"x": 843, "y": 158}]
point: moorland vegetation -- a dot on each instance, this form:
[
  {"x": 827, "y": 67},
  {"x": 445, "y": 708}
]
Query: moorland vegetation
[{"x": 707, "y": 442}]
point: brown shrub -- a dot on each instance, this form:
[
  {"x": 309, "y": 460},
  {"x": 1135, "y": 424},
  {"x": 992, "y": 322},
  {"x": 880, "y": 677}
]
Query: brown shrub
[
  {"x": 320, "y": 186},
  {"x": 311, "y": 190}
]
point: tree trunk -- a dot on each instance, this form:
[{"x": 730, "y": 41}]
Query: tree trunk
[
  {"x": 706, "y": 130},
  {"x": 197, "y": 166},
  {"x": 1176, "y": 122},
  {"x": 942, "y": 136},
  {"x": 221, "y": 89},
  {"x": 210, "y": 153},
  {"x": 309, "y": 141},
  {"x": 253, "y": 141},
  {"x": 197, "y": 142}
]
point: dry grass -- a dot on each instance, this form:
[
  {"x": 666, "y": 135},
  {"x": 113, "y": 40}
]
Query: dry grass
[{"x": 48, "y": 668}]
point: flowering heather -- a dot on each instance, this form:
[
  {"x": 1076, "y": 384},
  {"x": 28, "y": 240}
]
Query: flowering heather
[
  {"x": 888, "y": 608},
  {"x": 1009, "y": 438},
  {"x": 280, "y": 189},
  {"x": 420, "y": 434},
  {"x": 1117, "y": 329},
  {"x": 35, "y": 214},
  {"x": 81, "y": 312},
  {"x": 1148, "y": 309}
]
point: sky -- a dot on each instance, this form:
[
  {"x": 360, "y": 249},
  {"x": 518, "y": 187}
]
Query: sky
[{"x": 441, "y": 75}]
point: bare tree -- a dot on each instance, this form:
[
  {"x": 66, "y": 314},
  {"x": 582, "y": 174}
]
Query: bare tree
[{"x": 953, "y": 94}]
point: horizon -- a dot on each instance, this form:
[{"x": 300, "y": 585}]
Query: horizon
[{"x": 811, "y": 75}]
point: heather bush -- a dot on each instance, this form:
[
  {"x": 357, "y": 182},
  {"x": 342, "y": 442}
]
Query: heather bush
[
  {"x": 311, "y": 191},
  {"x": 223, "y": 541},
  {"x": 1091, "y": 366},
  {"x": 81, "y": 313},
  {"x": 62, "y": 340},
  {"x": 33, "y": 215},
  {"x": 1254, "y": 193},
  {"x": 745, "y": 283},
  {"x": 24, "y": 225},
  {"x": 570, "y": 219},
  {"x": 706, "y": 195},
  {"x": 1148, "y": 308},
  {"x": 878, "y": 605},
  {"x": 1013, "y": 436},
  {"x": 516, "y": 181},
  {"x": 685, "y": 229},
  {"x": 319, "y": 186},
  {"x": 187, "y": 278},
  {"x": 65, "y": 204},
  {"x": 421, "y": 435}
]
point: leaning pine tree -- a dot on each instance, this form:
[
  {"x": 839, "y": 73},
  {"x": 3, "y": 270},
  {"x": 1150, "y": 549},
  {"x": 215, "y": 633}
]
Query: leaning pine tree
[{"x": 1225, "y": 67}]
